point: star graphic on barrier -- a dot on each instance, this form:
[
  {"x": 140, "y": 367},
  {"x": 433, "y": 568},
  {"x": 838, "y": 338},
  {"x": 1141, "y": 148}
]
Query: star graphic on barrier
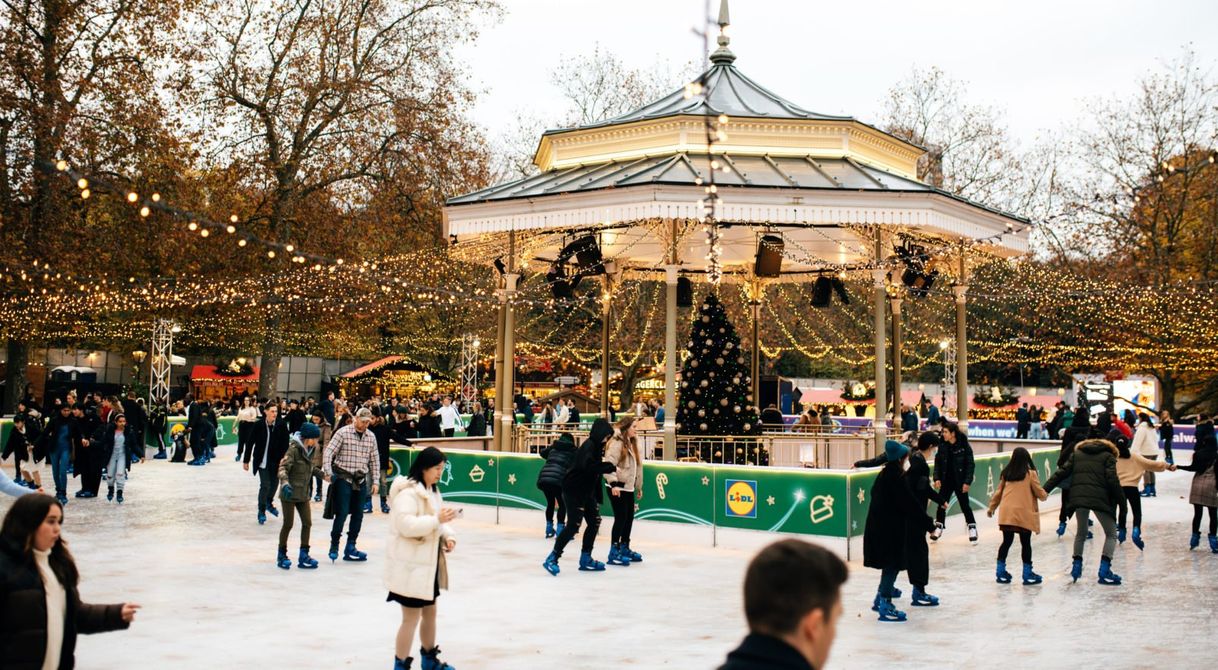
[
  {"x": 705, "y": 480},
  {"x": 854, "y": 525},
  {"x": 490, "y": 462},
  {"x": 862, "y": 495},
  {"x": 770, "y": 500},
  {"x": 512, "y": 479}
]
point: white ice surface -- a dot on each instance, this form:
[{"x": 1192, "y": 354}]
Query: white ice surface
[{"x": 187, "y": 547}]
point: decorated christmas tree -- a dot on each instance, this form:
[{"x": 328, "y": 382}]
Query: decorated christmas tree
[{"x": 716, "y": 389}]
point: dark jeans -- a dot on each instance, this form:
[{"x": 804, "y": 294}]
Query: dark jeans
[
  {"x": 348, "y": 500},
  {"x": 1025, "y": 544},
  {"x": 1167, "y": 450},
  {"x": 1197, "y": 510},
  {"x": 268, "y": 481},
  {"x": 1132, "y": 500},
  {"x": 586, "y": 510},
  {"x": 1021, "y": 431},
  {"x": 449, "y": 432},
  {"x": 289, "y": 516},
  {"x": 623, "y": 517},
  {"x": 888, "y": 581},
  {"x": 59, "y": 469},
  {"x": 554, "y": 502},
  {"x": 243, "y": 436},
  {"x": 965, "y": 506}
]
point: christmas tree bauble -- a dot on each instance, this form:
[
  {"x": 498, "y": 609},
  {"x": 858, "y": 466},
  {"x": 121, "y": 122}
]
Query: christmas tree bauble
[
  {"x": 740, "y": 360},
  {"x": 737, "y": 408},
  {"x": 705, "y": 319},
  {"x": 701, "y": 412},
  {"x": 723, "y": 401},
  {"x": 722, "y": 330},
  {"x": 704, "y": 383},
  {"x": 709, "y": 342},
  {"x": 735, "y": 380},
  {"x": 693, "y": 363},
  {"x": 702, "y": 426},
  {"x": 697, "y": 391},
  {"x": 716, "y": 412},
  {"x": 719, "y": 361},
  {"x": 684, "y": 384},
  {"x": 711, "y": 374},
  {"x": 692, "y": 404},
  {"x": 730, "y": 345},
  {"x": 748, "y": 426}
]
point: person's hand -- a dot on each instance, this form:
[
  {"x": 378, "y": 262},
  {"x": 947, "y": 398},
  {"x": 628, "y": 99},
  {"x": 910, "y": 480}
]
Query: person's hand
[
  {"x": 374, "y": 489},
  {"x": 128, "y": 612},
  {"x": 938, "y": 485},
  {"x": 450, "y": 544},
  {"x": 942, "y": 505},
  {"x": 246, "y": 466},
  {"x": 1172, "y": 467},
  {"x": 964, "y": 488},
  {"x": 447, "y": 514},
  {"x": 638, "y": 495},
  {"x": 614, "y": 491},
  {"x": 989, "y": 513},
  {"x": 141, "y": 460},
  {"x": 286, "y": 492}
]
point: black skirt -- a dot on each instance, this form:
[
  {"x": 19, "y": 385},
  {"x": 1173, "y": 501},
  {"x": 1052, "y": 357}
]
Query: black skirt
[{"x": 405, "y": 601}]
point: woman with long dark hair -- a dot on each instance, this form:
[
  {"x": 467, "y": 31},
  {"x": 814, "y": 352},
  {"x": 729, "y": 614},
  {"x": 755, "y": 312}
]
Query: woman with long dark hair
[
  {"x": 1203, "y": 494},
  {"x": 583, "y": 494},
  {"x": 1132, "y": 464},
  {"x": 416, "y": 568},
  {"x": 40, "y": 610},
  {"x": 1018, "y": 492},
  {"x": 625, "y": 487}
]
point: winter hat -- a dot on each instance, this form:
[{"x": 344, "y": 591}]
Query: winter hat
[
  {"x": 309, "y": 430},
  {"x": 894, "y": 451}
]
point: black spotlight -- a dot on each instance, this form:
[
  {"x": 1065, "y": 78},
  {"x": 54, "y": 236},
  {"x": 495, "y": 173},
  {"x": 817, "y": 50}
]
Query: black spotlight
[
  {"x": 917, "y": 275},
  {"x": 839, "y": 287},
  {"x": 500, "y": 266},
  {"x": 685, "y": 292},
  {"x": 769, "y": 256},
  {"x": 561, "y": 287},
  {"x": 587, "y": 253},
  {"x": 822, "y": 290}
]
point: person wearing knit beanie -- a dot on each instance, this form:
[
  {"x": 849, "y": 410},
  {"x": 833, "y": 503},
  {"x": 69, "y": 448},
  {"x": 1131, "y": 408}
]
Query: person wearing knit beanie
[{"x": 884, "y": 537}]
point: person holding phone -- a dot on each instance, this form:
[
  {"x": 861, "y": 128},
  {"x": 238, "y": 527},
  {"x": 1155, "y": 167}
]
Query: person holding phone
[{"x": 416, "y": 568}]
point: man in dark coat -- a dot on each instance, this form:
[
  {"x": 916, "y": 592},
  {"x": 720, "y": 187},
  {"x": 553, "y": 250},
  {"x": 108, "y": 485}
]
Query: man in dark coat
[
  {"x": 58, "y": 444},
  {"x": 954, "y": 469},
  {"x": 326, "y": 405},
  {"x": 792, "y": 601},
  {"x": 137, "y": 418},
  {"x": 270, "y": 439},
  {"x": 1023, "y": 422},
  {"x": 89, "y": 462},
  {"x": 772, "y": 419}
]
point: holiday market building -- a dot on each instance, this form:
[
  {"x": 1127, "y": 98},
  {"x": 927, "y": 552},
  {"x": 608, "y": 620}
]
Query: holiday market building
[
  {"x": 393, "y": 377},
  {"x": 726, "y": 182}
]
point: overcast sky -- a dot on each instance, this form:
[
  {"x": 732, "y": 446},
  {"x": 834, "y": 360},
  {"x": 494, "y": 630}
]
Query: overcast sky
[{"x": 1038, "y": 60}]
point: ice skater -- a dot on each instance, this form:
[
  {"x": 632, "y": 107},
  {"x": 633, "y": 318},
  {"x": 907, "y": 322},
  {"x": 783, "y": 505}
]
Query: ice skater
[
  {"x": 885, "y": 535},
  {"x": 1018, "y": 493},
  {"x": 352, "y": 463},
  {"x": 296, "y": 470},
  {"x": 269, "y": 442},
  {"x": 918, "y": 480},
  {"x": 1146, "y": 443},
  {"x": 1131, "y": 465},
  {"x": 118, "y": 446},
  {"x": 318, "y": 417},
  {"x": 416, "y": 567},
  {"x": 954, "y": 475},
  {"x": 1095, "y": 489},
  {"x": 1203, "y": 494},
  {"x": 18, "y": 446},
  {"x": 583, "y": 493},
  {"x": 625, "y": 487},
  {"x": 1167, "y": 433},
  {"x": 558, "y": 457}
]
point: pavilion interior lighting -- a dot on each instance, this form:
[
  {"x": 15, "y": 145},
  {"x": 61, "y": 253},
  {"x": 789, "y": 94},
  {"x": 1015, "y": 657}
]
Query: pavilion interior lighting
[{"x": 919, "y": 274}]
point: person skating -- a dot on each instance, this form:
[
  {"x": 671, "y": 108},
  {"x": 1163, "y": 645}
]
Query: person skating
[
  {"x": 270, "y": 443},
  {"x": 954, "y": 469},
  {"x": 57, "y": 444},
  {"x": 201, "y": 436},
  {"x": 247, "y": 419},
  {"x": 88, "y": 463},
  {"x": 920, "y": 523},
  {"x": 381, "y": 430},
  {"x": 18, "y": 446},
  {"x": 1132, "y": 463},
  {"x": 1167, "y": 433},
  {"x": 558, "y": 458},
  {"x": 885, "y": 535},
  {"x": 583, "y": 494},
  {"x": 1146, "y": 443},
  {"x": 1203, "y": 494},
  {"x": 625, "y": 487},
  {"x": 118, "y": 446},
  {"x": 416, "y": 567},
  {"x": 296, "y": 470},
  {"x": 318, "y": 417},
  {"x": 40, "y": 608},
  {"x": 1095, "y": 489},
  {"x": 1018, "y": 491},
  {"x": 352, "y": 463}
]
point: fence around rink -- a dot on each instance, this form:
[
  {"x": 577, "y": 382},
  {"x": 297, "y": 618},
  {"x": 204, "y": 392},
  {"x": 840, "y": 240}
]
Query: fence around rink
[{"x": 804, "y": 501}]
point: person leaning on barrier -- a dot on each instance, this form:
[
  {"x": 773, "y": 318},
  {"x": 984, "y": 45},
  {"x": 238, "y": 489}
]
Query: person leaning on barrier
[{"x": 792, "y": 602}]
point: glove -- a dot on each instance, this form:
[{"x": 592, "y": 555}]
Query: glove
[{"x": 286, "y": 491}]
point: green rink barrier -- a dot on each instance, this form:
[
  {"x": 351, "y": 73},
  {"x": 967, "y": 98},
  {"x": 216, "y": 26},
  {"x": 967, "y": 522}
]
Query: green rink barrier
[
  {"x": 831, "y": 503},
  {"x": 226, "y": 430}
]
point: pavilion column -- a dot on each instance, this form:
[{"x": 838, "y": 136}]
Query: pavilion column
[
  {"x": 501, "y": 408},
  {"x": 962, "y": 396},
  {"x": 880, "y": 299},
  {"x": 896, "y": 357},
  {"x": 670, "y": 363},
  {"x": 507, "y": 420},
  {"x": 606, "y": 314}
]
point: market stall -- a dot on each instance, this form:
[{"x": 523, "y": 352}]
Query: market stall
[
  {"x": 393, "y": 377},
  {"x": 222, "y": 382}
]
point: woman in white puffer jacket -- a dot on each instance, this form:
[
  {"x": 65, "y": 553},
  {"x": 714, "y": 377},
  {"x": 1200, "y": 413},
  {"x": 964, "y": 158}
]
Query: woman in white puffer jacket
[{"x": 416, "y": 569}]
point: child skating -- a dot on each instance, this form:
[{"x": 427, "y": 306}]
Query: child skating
[
  {"x": 1018, "y": 494},
  {"x": 296, "y": 471}
]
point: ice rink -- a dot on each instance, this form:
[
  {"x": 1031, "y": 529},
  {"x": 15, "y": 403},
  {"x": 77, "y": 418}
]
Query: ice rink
[{"x": 186, "y": 545}]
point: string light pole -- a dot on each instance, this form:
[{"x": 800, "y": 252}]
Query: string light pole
[
  {"x": 469, "y": 368},
  {"x": 163, "y": 331}
]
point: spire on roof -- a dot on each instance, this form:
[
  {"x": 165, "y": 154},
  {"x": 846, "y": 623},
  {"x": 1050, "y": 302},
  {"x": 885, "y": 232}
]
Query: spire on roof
[{"x": 723, "y": 55}]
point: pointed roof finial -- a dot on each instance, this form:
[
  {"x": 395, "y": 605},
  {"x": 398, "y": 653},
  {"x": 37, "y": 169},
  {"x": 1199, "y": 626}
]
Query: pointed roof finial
[{"x": 723, "y": 55}]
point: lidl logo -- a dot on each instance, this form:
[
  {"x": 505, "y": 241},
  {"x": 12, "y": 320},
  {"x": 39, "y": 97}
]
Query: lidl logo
[{"x": 741, "y": 498}]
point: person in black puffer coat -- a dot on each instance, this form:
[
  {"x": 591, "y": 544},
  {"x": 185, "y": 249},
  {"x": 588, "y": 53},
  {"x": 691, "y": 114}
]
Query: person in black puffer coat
[
  {"x": 1096, "y": 488},
  {"x": 559, "y": 457},
  {"x": 954, "y": 469},
  {"x": 583, "y": 494},
  {"x": 40, "y": 610}
]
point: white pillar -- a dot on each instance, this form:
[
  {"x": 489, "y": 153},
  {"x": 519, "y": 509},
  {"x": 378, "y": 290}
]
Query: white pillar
[
  {"x": 670, "y": 364},
  {"x": 881, "y": 386},
  {"x": 961, "y": 290},
  {"x": 508, "y": 419},
  {"x": 896, "y": 357}
]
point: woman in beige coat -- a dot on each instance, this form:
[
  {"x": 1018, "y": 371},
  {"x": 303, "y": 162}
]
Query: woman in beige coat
[
  {"x": 625, "y": 487},
  {"x": 416, "y": 569},
  {"x": 1018, "y": 492},
  {"x": 1130, "y": 466}
]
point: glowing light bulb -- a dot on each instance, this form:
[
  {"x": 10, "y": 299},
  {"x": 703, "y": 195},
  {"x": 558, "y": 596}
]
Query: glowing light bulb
[
  {"x": 270, "y": 254},
  {"x": 241, "y": 243},
  {"x": 133, "y": 196}
]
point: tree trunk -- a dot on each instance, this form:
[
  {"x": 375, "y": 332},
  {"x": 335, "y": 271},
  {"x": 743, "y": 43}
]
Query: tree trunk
[
  {"x": 272, "y": 354},
  {"x": 18, "y": 357},
  {"x": 629, "y": 374}
]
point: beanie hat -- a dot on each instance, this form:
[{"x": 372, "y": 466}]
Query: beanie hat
[
  {"x": 894, "y": 451},
  {"x": 309, "y": 430}
]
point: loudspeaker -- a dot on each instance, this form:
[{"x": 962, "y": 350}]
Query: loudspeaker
[
  {"x": 559, "y": 286},
  {"x": 821, "y": 292},
  {"x": 685, "y": 292},
  {"x": 839, "y": 287},
  {"x": 769, "y": 256},
  {"x": 587, "y": 255}
]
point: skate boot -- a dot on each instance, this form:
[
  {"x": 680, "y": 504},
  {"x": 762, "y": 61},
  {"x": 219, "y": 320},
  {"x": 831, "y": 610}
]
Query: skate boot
[
  {"x": 615, "y": 557},
  {"x": 368, "y": 506},
  {"x": 589, "y": 564},
  {"x": 160, "y": 455},
  {"x": 1030, "y": 577},
  {"x": 109, "y": 493},
  {"x": 1061, "y": 529},
  {"x": 1121, "y": 535},
  {"x": 304, "y": 561},
  {"x": 972, "y": 533},
  {"x": 549, "y": 529},
  {"x": 384, "y": 506},
  {"x": 889, "y": 612},
  {"x": 261, "y": 518},
  {"x": 333, "y": 550},
  {"x": 274, "y": 511},
  {"x": 1194, "y": 540},
  {"x": 119, "y": 499},
  {"x": 921, "y": 598},
  {"x": 1001, "y": 575},
  {"x": 1137, "y": 538},
  {"x": 937, "y": 532},
  {"x": 282, "y": 560},
  {"x": 431, "y": 660},
  {"x": 634, "y": 556},
  {"x": 317, "y": 498},
  {"x": 350, "y": 553},
  {"x": 558, "y": 528},
  {"x": 551, "y": 564},
  {"x": 1213, "y": 538},
  {"x": 402, "y": 663},
  {"x": 1107, "y": 576},
  {"x": 1076, "y": 569}
]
